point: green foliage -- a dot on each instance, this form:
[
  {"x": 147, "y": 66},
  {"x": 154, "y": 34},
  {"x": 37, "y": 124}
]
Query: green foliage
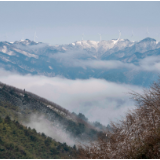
[
  {"x": 20, "y": 104},
  {"x": 43, "y": 135},
  {"x": 82, "y": 116},
  {"x": 17, "y": 141},
  {"x": 1, "y": 120},
  {"x": 7, "y": 119},
  {"x": 22, "y": 142},
  {"x": 48, "y": 141}
]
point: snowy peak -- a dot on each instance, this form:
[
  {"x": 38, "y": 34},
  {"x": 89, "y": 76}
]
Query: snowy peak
[
  {"x": 92, "y": 48},
  {"x": 101, "y": 46},
  {"x": 14, "y": 49},
  {"x": 108, "y": 47},
  {"x": 95, "y": 44},
  {"x": 26, "y": 42},
  {"x": 86, "y": 44}
]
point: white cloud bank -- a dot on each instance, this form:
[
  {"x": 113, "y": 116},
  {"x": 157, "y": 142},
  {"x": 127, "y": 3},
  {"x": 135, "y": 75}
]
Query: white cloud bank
[
  {"x": 84, "y": 59},
  {"x": 56, "y": 131},
  {"x": 150, "y": 63},
  {"x": 98, "y": 99}
]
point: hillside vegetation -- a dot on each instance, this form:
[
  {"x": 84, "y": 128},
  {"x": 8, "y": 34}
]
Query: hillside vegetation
[
  {"x": 20, "y": 105},
  {"x": 137, "y": 136},
  {"x": 18, "y": 141}
]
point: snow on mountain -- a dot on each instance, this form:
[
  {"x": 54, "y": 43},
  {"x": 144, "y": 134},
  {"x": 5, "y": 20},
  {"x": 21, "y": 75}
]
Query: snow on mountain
[
  {"x": 4, "y": 49},
  {"x": 101, "y": 46},
  {"x": 26, "y": 56},
  {"x": 26, "y": 42},
  {"x": 25, "y": 53},
  {"x": 118, "y": 44},
  {"x": 86, "y": 44},
  {"x": 112, "y": 49},
  {"x": 12, "y": 49},
  {"x": 97, "y": 48}
]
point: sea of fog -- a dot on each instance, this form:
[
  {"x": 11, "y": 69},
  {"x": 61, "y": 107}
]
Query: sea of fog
[{"x": 98, "y": 99}]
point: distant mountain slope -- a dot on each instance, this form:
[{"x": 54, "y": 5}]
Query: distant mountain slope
[
  {"x": 21, "y": 105},
  {"x": 83, "y": 59}
]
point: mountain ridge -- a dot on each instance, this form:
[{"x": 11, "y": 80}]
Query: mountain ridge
[
  {"x": 23, "y": 105},
  {"x": 37, "y": 58}
]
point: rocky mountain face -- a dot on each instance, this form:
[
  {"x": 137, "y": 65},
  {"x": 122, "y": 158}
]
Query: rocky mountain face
[{"x": 114, "y": 60}]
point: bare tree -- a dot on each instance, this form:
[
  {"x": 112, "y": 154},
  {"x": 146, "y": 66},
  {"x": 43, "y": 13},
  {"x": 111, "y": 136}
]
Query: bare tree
[{"x": 138, "y": 136}]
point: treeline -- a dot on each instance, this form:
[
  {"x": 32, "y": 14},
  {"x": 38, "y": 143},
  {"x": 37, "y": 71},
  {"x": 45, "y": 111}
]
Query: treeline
[
  {"x": 20, "y": 142},
  {"x": 21, "y": 107},
  {"x": 13, "y": 90},
  {"x": 137, "y": 136},
  {"x": 28, "y": 96},
  {"x": 96, "y": 124}
]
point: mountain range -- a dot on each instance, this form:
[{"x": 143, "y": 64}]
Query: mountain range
[{"x": 119, "y": 60}]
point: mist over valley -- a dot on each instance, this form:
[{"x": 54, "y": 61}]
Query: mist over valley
[{"x": 79, "y": 80}]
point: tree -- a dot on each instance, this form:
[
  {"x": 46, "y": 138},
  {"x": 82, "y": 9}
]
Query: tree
[
  {"x": 98, "y": 125},
  {"x": 48, "y": 141},
  {"x": 137, "y": 136},
  {"x": 82, "y": 116},
  {"x": 1, "y": 120},
  {"x": 7, "y": 119},
  {"x": 74, "y": 147}
]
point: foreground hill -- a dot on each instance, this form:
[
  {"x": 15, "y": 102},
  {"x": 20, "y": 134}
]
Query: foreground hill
[
  {"x": 20, "y": 142},
  {"x": 21, "y": 105}
]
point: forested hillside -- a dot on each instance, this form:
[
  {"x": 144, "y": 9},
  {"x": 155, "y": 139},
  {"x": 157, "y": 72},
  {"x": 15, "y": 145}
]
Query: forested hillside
[
  {"x": 20, "y": 105},
  {"x": 17, "y": 141}
]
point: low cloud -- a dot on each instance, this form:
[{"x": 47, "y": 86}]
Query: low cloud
[
  {"x": 151, "y": 63},
  {"x": 76, "y": 59},
  {"x": 84, "y": 59},
  {"x": 4, "y": 73},
  {"x": 98, "y": 99},
  {"x": 51, "y": 129},
  {"x": 102, "y": 64}
]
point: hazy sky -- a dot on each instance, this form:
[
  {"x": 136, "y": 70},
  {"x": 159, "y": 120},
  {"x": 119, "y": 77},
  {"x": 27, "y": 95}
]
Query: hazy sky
[{"x": 65, "y": 22}]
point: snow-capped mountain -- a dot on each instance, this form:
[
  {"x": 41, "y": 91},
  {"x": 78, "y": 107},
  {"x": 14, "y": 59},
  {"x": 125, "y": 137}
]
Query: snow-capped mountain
[
  {"x": 114, "y": 60},
  {"x": 100, "y": 48}
]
